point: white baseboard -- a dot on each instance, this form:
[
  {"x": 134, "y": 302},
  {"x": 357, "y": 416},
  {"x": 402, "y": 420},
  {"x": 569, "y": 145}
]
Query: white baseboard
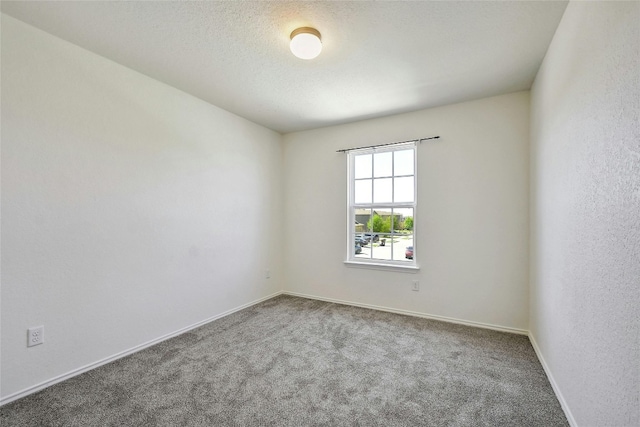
[
  {"x": 415, "y": 314},
  {"x": 30, "y": 390},
  {"x": 554, "y": 385},
  {"x": 78, "y": 371}
]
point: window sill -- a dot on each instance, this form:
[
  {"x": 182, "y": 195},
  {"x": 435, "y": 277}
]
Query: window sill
[{"x": 379, "y": 266}]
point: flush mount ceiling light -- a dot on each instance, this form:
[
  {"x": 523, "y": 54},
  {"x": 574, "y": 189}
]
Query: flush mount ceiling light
[{"x": 305, "y": 43}]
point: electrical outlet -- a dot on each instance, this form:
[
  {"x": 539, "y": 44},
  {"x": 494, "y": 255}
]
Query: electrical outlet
[
  {"x": 35, "y": 336},
  {"x": 416, "y": 285},
  {"x": 268, "y": 275}
]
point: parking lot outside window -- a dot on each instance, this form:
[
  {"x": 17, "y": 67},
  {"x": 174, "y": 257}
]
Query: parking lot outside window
[{"x": 382, "y": 193}]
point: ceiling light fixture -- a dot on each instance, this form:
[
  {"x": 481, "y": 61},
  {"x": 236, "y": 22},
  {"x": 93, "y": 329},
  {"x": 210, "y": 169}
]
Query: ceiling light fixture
[{"x": 305, "y": 43}]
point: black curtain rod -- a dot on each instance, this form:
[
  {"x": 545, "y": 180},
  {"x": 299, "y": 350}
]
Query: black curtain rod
[{"x": 346, "y": 150}]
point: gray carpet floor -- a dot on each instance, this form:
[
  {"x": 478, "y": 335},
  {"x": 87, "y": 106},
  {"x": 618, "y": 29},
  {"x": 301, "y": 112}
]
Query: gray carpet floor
[{"x": 298, "y": 362}]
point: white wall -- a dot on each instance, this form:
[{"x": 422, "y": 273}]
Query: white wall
[
  {"x": 129, "y": 209},
  {"x": 472, "y": 218},
  {"x": 585, "y": 212}
]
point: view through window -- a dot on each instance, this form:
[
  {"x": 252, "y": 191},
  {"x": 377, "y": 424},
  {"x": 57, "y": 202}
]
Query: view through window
[{"x": 382, "y": 205}]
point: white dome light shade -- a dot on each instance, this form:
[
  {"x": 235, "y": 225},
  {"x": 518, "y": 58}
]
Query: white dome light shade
[{"x": 305, "y": 43}]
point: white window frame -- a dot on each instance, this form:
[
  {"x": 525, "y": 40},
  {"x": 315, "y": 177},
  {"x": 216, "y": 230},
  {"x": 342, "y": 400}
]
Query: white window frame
[{"x": 351, "y": 259}]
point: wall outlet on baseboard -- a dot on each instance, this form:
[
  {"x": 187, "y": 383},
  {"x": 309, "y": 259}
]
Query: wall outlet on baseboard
[
  {"x": 35, "y": 336},
  {"x": 415, "y": 286}
]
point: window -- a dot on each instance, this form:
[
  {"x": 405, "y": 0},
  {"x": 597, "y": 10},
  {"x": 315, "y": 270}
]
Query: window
[{"x": 382, "y": 206}]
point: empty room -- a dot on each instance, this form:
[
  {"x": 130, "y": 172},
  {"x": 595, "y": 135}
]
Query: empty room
[{"x": 336, "y": 213}]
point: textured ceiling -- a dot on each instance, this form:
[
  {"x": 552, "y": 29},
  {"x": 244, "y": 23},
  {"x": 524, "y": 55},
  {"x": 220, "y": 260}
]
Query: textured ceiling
[{"x": 378, "y": 58}]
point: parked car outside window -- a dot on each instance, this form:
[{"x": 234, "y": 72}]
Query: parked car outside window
[
  {"x": 361, "y": 241},
  {"x": 372, "y": 236},
  {"x": 408, "y": 253}
]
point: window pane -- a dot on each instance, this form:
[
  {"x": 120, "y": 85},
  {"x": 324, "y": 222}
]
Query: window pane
[
  {"x": 403, "y": 189},
  {"x": 403, "y": 233},
  {"x": 362, "y": 220},
  {"x": 362, "y": 166},
  {"x": 381, "y": 246},
  {"x": 362, "y": 191},
  {"x": 405, "y": 218},
  {"x": 403, "y": 162},
  {"x": 403, "y": 247},
  {"x": 382, "y": 190},
  {"x": 382, "y": 164},
  {"x": 361, "y": 247}
]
